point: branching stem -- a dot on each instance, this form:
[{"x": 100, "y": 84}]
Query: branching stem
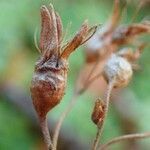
[
  {"x": 123, "y": 138},
  {"x": 101, "y": 125},
  {"x": 76, "y": 94},
  {"x": 62, "y": 118},
  {"x": 71, "y": 105}
]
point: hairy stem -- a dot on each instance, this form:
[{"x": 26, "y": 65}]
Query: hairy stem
[
  {"x": 96, "y": 138},
  {"x": 101, "y": 125},
  {"x": 46, "y": 134},
  {"x": 62, "y": 118},
  {"x": 125, "y": 137}
]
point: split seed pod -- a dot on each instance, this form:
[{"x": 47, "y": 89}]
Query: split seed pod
[
  {"x": 118, "y": 69},
  {"x": 50, "y": 75}
]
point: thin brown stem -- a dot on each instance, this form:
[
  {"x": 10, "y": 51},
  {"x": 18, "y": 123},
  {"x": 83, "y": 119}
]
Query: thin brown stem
[
  {"x": 136, "y": 13},
  {"x": 61, "y": 119},
  {"x": 96, "y": 138},
  {"x": 101, "y": 126},
  {"x": 46, "y": 134},
  {"x": 91, "y": 72},
  {"x": 89, "y": 82},
  {"x": 123, "y": 138}
]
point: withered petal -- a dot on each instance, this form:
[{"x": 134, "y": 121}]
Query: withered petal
[
  {"x": 49, "y": 32},
  {"x": 76, "y": 41}
]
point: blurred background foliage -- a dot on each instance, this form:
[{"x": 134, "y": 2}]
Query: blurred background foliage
[{"x": 19, "y": 21}]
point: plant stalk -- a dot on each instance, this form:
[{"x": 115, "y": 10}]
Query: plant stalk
[{"x": 46, "y": 134}]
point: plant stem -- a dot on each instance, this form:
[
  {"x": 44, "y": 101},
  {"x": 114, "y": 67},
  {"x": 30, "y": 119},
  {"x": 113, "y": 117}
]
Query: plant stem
[
  {"x": 101, "y": 125},
  {"x": 71, "y": 105},
  {"x": 123, "y": 138},
  {"x": 89, "y": 82},
  {"x": 46, "y": 134},
  {"x": 61, "y": 119},
  {"x": 96, "y": 139}
]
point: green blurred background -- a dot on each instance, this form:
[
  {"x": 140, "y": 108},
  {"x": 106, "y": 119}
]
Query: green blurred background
[{"x": 18, "y": 22}]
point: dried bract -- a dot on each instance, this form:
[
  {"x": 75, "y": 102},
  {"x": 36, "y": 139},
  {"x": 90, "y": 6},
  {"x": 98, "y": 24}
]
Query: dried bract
[{"x": 126, "y": 34}]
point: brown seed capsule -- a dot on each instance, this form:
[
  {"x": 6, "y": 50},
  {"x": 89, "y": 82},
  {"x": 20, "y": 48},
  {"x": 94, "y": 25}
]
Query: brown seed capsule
[
  {"x": 50, "y": 75},
  {"x": 48, "y": 84},
  {"x": 98, "y": 112}
]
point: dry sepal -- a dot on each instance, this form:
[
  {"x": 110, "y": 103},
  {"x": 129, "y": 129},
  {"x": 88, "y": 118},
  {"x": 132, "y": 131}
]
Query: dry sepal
[{"x": 126, "y": 34}]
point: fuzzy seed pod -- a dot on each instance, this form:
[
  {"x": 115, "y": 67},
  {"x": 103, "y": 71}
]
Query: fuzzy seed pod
[
  {"x": 118, "y": 69},
  {"x": 50, "y": 75},
  {"x": 48, "y": 84},
  {"x": 98, "y": 112}
]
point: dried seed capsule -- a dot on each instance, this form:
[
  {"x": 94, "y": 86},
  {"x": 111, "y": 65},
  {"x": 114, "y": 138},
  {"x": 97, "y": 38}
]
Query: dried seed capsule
[
  {"x": 49, "y": 79},
  {"x": 118, "y": 69},
  {"x": 98, "y": 112},
  {"x": 48, "y": 84},
  {"x": 50, "y": 75}
]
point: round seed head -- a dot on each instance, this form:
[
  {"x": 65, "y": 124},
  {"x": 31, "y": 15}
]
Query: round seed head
[{"x": 118, "y": 69}]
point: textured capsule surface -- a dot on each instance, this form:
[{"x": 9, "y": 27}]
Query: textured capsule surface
[
  {"x": 50, "y": 74},
  {"x": 119, "y": 69},
  {"x": 48, "y": 84}
]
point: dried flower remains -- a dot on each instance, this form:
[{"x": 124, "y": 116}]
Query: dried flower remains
[{"x": 50, "y": 74}]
